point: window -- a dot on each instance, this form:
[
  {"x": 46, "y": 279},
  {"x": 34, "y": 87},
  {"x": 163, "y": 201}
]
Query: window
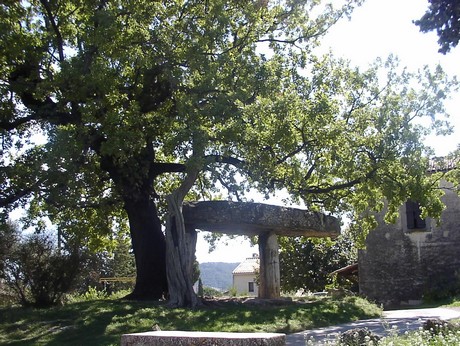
[
  {"x": 414, "y": 221},
  {"x": 250, "y": 286}
]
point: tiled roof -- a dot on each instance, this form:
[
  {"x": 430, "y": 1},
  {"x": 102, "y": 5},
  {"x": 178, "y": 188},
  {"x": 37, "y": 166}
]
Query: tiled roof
[
  {"x": 348, "y": 270},
  {"x": 248, "y": 266}
]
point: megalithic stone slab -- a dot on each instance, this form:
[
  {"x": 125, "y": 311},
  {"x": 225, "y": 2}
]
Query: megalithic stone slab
[
  {"x": 254, "y": 218},
  {"x": 264, "y": 220}
]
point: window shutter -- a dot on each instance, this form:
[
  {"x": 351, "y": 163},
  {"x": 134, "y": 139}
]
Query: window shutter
[
  {"x": 413, "y": 216},
  {"x": 410, "y": 215},
  {"x": 419, "y": 222}
]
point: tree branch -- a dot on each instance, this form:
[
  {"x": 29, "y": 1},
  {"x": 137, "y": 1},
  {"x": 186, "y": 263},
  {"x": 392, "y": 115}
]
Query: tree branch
[
  {"x": 351, "y": 183},
  {"x": 51, "y": 18},
  {"x": 229, "y": 188},
  {"x": 291, "y": 154},
  {"x": 8, "y": 200},
  {"x": 8, "y": 126},
  {"x": 225, "y": 159}
]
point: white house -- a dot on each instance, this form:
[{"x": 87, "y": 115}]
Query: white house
[{"x": 244, "y": 276}]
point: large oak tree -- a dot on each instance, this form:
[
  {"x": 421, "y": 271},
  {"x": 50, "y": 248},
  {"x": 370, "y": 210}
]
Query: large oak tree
[{"x": 142, "y": 99}]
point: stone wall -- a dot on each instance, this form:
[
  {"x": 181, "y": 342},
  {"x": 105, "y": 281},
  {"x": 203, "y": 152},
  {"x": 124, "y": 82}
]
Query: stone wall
[{"x": 402, "y": 266}]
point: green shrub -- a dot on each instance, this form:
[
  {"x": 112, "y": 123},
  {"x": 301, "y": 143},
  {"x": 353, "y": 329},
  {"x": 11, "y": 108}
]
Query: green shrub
[
  {"x": 423, "y": 338},
  {"x": 200, "y": 288},
  {"x": 38, "y": 273},
  {"x": 444, "y": 334},
  {"x": 93, "y": 294},
  {"x": 358, "y": 337},
  {"x": 232, "y": 292},
  {"x": 211, "y": 292}
]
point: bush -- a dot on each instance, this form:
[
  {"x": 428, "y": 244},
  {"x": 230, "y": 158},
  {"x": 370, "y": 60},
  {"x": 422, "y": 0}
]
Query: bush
[
  {"x": 38, "y": 273},
  {"x": 426, "y": 336},
  {"x": 358, "y": 337},
  {"x": 437, "y": 326},
  {"x": 9, "y": 238},
  {"x": 211, "y": 292},
  {"x": 93, "y": 294}
]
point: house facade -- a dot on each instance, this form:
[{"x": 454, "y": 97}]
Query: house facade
[
  {"x": 244, "y": 276},
  {"x": 414, "y": 258}
]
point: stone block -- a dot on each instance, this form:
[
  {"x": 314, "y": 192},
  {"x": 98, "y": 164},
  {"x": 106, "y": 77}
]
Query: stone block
[{"x": 186, "y": 338}]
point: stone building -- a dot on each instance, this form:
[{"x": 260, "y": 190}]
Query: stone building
[{"x": 414, "y": 258}]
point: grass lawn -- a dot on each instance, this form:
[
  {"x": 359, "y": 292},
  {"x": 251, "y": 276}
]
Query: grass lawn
[{"x": 102, "y": 322}]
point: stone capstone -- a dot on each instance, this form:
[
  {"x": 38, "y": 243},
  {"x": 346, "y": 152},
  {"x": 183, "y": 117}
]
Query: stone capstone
[
  {"x": 265, "y": 221},
  {"x": 255, "y": 218}
]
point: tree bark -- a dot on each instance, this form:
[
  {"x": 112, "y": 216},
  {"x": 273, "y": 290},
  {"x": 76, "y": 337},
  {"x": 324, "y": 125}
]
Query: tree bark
[
  {"x": 180, "y": 246},
  {"x": 149, "y": 248},
  {"x": 134, "y": 181}
]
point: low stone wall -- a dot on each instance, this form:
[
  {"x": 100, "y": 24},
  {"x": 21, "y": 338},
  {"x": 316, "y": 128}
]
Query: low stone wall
[{"x": 179, "y": 338}]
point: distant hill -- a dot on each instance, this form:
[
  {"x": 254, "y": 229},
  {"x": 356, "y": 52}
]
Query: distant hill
[{"x": 217, "y": 274}]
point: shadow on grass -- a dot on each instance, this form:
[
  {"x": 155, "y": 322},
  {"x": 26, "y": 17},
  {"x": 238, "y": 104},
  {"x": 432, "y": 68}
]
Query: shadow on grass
[
  {"x": 103, "y": 322},
  {"x": 73, "y": 324}
]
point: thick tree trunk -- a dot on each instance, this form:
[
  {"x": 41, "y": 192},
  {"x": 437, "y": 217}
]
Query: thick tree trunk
[
  {"x": 180, "y": 245},
  {"x": 134, "y": 180},
  {"x": 149, "y": 249}
]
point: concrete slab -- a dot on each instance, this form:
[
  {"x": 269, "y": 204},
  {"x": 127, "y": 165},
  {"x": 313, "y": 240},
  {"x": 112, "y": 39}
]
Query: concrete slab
[{"x": 189, "y": 338}]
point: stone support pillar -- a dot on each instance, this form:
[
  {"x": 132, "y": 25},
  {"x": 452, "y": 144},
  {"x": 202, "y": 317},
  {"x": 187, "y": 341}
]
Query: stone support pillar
[{"x": 269, "y": 275}]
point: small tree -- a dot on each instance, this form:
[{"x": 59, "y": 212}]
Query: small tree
[
  {"x": 38, "y": 272},
  {"x": 9, "y": 237},
  {"x": 306, "y": 263},
  {"x": 121, "y": 262},
  {"x": 200, "y": 288},
  {"x": 196, "y": 271}
]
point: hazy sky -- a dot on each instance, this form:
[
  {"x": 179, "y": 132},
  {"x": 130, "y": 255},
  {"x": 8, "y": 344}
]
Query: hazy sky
[{"x": 377, "y": 29}]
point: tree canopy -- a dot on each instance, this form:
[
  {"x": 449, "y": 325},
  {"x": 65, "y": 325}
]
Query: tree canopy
[
  {"x": 138, "y": 99},
  {"x": 444, "y": 17}
]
